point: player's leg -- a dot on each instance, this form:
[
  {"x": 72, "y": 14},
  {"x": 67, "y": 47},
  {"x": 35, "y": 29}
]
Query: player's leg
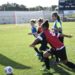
[
  {"x": 63, "y": 56},
  {"x": 36, "y": 50},
  {"x": 42, "y": 49},
  {"x": 53, "y": 52},
  {"x": 62, "y": 40},
  {"x": 39, "y": 53},
  {"x": 46, "y": 59}
]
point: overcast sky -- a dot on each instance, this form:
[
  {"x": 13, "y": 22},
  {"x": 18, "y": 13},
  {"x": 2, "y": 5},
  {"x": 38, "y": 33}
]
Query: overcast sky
[{"x": 32, "y": 3}]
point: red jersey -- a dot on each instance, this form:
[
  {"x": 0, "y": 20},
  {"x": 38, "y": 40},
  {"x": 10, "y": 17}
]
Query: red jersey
[
  {"x": 40, "y": 29},
  {"x": 53, "y": 40}
]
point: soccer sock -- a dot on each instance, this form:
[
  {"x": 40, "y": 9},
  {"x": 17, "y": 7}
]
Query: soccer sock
[
  {"x": 40, "y": 54},
  {"x": 36, "y": 50},
  {"x": 42, "y": 58},
  {"x": 57, "y": 59},
  {"x": 70, "y": 65},
  {"x": 47, "y": 64}
]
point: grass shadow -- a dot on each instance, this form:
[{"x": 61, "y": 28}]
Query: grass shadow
[
  {"x": 5, "y": 61},
  {"x": 69, "y": 69},
  {"x": 60, "y": 70},
  {"x": 47, "y": 73}
]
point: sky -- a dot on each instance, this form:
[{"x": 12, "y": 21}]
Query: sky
[{"x": 32, "y": 3}]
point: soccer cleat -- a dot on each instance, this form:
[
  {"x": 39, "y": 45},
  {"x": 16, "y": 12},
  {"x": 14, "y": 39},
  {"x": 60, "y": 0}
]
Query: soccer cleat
[
  {"x": 37, "y": 54},
  {"x": 45, "y": 69},
  {"x": 39, "y": 57}
]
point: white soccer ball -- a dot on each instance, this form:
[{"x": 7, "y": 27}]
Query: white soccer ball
[{"x": 8, "y": 70}]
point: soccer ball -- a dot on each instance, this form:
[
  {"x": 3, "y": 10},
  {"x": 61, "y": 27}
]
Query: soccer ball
[{"x": 8, "y": 70}]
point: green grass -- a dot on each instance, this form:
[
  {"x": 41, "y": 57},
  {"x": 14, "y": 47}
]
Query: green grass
[
  {"x": 15, "y": 51},
  {"x": 71, "y": 16}
]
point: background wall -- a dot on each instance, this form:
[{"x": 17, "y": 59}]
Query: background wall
[{"x": 13, "y": 17}]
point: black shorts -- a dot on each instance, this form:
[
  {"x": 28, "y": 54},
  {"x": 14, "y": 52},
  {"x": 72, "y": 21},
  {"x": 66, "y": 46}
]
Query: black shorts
[{"x": 60, "y": 53}]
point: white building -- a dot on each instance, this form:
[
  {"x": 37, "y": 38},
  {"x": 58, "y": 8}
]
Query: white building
[{"x": 13, "y": 17}]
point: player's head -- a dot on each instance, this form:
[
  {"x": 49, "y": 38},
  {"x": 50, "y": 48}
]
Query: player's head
[
  {"x": 32, "y": 22},
  {"x": 45, "y": 25},
  {"x": 55, "y": 16},
  {"x": 40, "y": 21}
]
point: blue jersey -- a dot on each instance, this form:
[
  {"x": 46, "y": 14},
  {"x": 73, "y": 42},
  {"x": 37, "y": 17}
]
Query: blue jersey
[{"x": 34, "y": 30}]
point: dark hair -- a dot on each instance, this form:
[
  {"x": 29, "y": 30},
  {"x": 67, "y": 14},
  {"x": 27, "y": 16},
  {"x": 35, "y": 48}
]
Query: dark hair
[
  {"x": 45, "y": 24},
  {"x": 33, "y": 20},
  {"x": 58, "y": 17},
  {"x": 40, "y": 20}
]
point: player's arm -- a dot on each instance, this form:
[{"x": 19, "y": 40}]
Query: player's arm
[
  {"x": 32, "y": 33},
  {"x": 29, "y": 33},
  {"x": 68, "y": 36},
  {"x": 65, "y": 35}
]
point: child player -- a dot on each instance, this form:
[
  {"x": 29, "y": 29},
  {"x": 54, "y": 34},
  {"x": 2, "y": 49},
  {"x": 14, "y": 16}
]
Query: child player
[
  {"x": 43, "y": 46},
  {"x": 57, "y": 29},
  {"x": 40, "y": 21},
  {"x": 43, "y": 43},
  {"x": 35, "y": 33},
  {"x": 33, "y": 28},
  {"x": 55, "y": 43}
]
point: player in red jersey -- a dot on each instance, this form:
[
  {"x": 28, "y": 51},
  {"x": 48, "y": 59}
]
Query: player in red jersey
[
  {"x": 40, "y": 21},
  {"x": 43, "y": 46},
  {"x": 55, "y": 43}
]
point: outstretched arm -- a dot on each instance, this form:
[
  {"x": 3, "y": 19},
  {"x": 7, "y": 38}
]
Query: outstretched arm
[
  {"x": 35, "y": 34},
  {"x": 64, "y": 35},
  {"x": 68, "y": 36}
]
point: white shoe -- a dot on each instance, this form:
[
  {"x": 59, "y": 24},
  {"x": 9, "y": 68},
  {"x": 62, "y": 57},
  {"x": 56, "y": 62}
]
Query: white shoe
[{"x": 37, "y": 54}]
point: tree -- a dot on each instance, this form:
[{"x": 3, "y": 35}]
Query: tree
[
  {"x": 17, "y": 7},
  {"x": 53, "y": 7},
  {"x": 13, "y": 7}
]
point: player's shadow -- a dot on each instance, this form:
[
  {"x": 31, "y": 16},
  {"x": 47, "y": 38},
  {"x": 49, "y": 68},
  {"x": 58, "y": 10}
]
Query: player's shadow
[
  {"x": 69, "y": 69},
  {"x": 47, "y": 73},
  {"x": 5, "y": 61},
  {"x": 61, "y": 68},
  {"x": 58, "y": 70}
]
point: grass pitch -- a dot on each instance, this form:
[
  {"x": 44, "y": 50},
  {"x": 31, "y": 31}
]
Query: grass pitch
[{"x": 15, "y": 51}]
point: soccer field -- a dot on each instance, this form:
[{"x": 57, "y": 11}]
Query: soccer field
[{"x": 15, "y": 51}]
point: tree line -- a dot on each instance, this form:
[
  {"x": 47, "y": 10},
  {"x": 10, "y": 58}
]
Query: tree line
[{"x": 17, "y": 7}]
